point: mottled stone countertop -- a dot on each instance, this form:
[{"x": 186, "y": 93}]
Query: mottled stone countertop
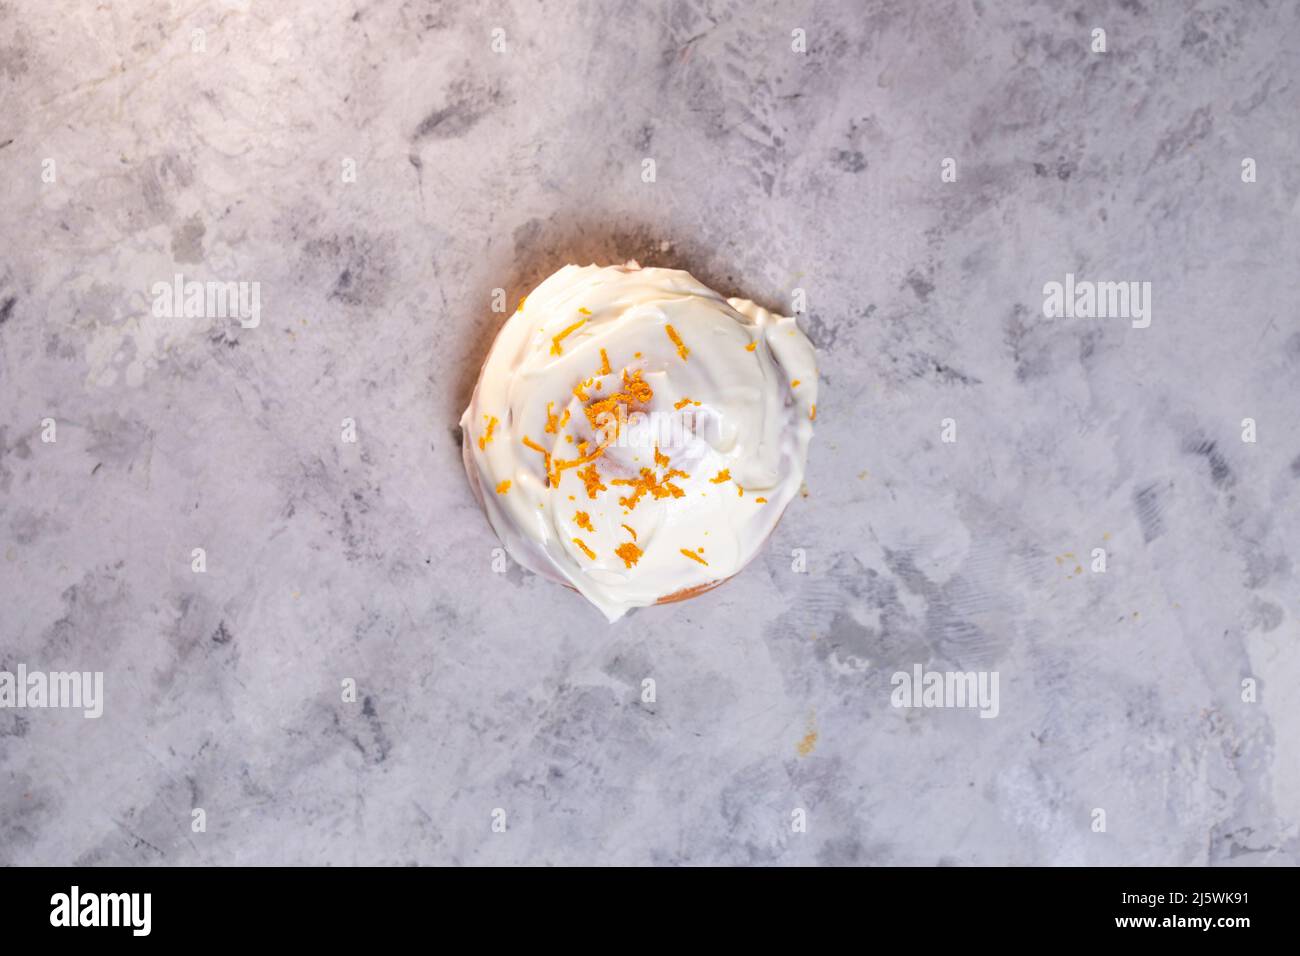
[{"x": 379, "y": 168}]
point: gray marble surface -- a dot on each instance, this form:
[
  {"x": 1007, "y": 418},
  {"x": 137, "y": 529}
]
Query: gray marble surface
[{"x": 775, "y": 171}]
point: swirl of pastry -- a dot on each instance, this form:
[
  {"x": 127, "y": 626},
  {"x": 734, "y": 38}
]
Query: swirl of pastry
[{"x": 635, "y": 435}]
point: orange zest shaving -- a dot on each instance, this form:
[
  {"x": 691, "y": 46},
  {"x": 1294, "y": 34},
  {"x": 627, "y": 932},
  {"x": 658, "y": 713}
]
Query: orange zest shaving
[
  {"x": 487, "y": 435},
  {"x": 591, "y": 478},
  {"x": 648, "y": 483},
  {"x": 555, "y": 423},
  {"x": 682, "y": 350},
  {"x": 695, "y": 557},
  {"x": 795, "y": 383},
  {"x": 629, "y": 552},
  {"x": 556, "y": 339},
  {"x": 583, "y": 521},
  {"x": 751, "y": 346},
  {"x": 585, "y": 550},
  {"x": 546, "y": 455},
  {"x": 503, "y": 487},
  {"x": 656, "y": 487},
  {"x": 720, "y": 477},
  {"x": 684, "y": 402},
  {"x": 631, "y": 530},
  {"x": 635, "y": 391},
  {"x": 812, "y": 412},
  {"x": 561, "y": 464},
  {"x": 522, "y": 300},
  {"x": 584, "y": 311},
  {"x": 760, "y": 501},
  {"x": 604, "y": 363}
]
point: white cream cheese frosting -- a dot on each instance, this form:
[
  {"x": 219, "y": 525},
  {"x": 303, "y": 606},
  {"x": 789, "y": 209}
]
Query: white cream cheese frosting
[{"x": 635, "y": 435}]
